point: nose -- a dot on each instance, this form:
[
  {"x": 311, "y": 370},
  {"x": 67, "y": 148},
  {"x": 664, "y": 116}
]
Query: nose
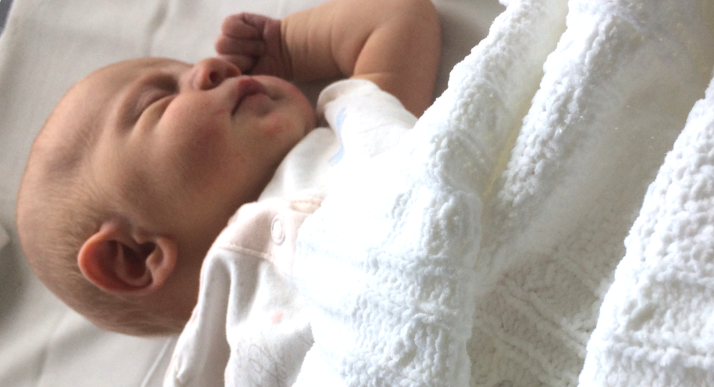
[{"x": 211, "y": 72}]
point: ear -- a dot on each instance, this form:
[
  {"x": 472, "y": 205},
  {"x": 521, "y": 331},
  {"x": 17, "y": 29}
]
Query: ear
[{"x": 116, "y": 262}]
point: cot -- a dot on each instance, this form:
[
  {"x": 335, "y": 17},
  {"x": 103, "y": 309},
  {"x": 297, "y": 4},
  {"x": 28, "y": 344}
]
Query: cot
[{"x": 547, "y": 222}]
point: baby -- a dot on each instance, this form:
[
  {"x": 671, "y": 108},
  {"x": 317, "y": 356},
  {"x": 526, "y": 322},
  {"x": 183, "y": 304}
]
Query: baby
[{"x": 142, "y": 163}]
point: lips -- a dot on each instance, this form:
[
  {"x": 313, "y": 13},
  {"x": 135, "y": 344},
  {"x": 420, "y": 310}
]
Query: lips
[{"x": 247, "y": 86}]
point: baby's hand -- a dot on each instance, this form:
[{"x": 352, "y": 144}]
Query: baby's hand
[{"x": 254, "y": 44}]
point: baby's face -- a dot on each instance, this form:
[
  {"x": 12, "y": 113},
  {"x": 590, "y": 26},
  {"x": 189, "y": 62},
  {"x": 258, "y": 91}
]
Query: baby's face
[{"x": 195, "y": 142}]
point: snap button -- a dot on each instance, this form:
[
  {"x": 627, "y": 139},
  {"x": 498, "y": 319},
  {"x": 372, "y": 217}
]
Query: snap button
[{"x": 277, "y": 230}]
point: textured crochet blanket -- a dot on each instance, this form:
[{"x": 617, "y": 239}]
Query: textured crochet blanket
[{"x": 511, "y": 239}]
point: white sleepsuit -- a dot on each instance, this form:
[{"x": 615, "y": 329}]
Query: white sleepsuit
[{"x": 251, "y": 326}]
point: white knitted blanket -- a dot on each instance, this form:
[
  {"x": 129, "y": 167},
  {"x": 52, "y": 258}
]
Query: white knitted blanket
[{"x": 482, "y": 251}]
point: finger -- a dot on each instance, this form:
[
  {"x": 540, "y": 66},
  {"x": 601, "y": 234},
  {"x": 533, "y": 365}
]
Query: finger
[
  {"x": 237, "y": 27},
  {"x": 230, "y": 46},
  {"x": 257, "y": 21},
  {"x": 244, "y": 63}
]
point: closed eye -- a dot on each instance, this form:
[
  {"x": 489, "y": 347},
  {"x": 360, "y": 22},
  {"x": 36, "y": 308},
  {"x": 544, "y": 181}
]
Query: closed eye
[
  {"x": 155, "y": 99},
  {"x": 147, "y": 93},
  {"x": 156, "y": 92}
]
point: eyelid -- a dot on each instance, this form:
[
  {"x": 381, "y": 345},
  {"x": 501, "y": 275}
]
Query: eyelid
[
  {"x": 158, "y": 90},
  {"x": 151, "y": 98}
]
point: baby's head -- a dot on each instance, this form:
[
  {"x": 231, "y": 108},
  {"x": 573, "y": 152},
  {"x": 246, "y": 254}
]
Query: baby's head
[{"x": 136, "y": 172}]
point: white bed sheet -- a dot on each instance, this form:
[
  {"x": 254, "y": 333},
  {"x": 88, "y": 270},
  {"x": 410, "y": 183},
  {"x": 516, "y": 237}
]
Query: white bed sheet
[{"x": 47, "y": 46}]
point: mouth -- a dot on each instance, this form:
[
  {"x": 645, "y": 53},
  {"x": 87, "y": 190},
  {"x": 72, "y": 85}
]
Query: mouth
[{"x": 247, "y": 87}]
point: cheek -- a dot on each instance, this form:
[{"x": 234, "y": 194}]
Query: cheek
[
  {"x": 196, "y": 123},
  {"x": 195, "y": 140},
  {"x": 292, "y": 121},
  {"x": 280, "y": 134}
]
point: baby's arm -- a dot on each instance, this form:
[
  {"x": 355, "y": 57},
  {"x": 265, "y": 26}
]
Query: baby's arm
[{"x": 394, "y": 43}]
